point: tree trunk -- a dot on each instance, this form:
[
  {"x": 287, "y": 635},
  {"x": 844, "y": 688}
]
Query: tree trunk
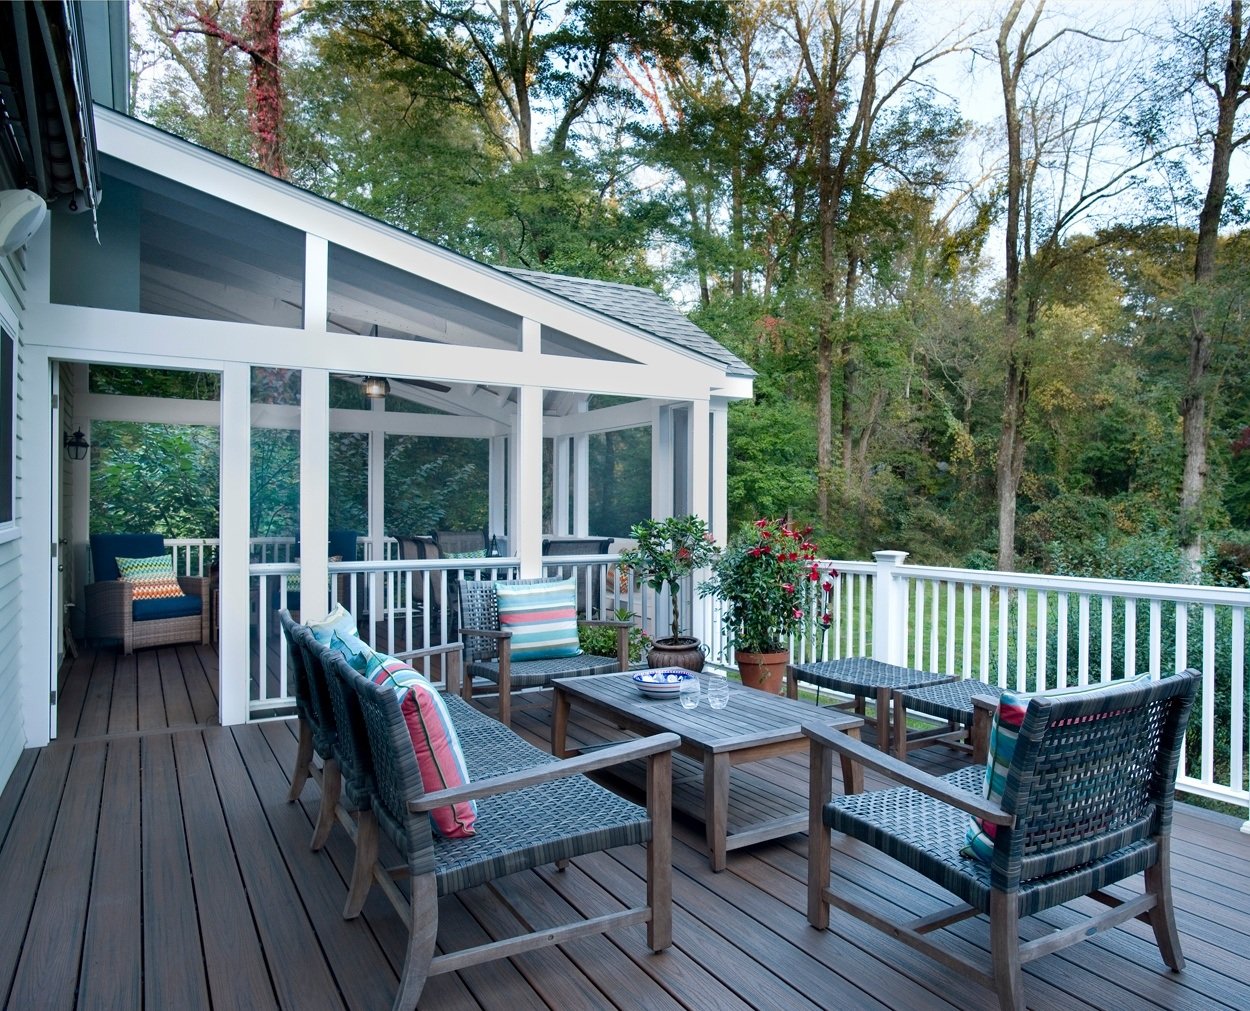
[
  {"x": 262, "y": 24},
  {"x": 1010, "y": 464},
  {"x": 1193, "y": 401}
]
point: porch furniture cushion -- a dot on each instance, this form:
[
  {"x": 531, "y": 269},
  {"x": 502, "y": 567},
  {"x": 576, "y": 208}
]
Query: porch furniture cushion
[
  {"x": 105, "y": 548},
  {"x": 181, "y": 606},
  {"x": 433, "y": 735},
  {"x": 542, "y": 618},
  {"x": 1004, "y": 733},
  {"x": 479, "y": 553},
  {"x": 338, "y": 622},
  {"x": 153, "y": 578},
  {"x": 1086, "y": 803},
  {"x": 488, "y": 647}
]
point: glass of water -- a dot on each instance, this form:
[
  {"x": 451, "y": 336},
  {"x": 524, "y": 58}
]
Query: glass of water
[
  {"x": 718, "y": 691},
  {"x": 690, "y": 692}
]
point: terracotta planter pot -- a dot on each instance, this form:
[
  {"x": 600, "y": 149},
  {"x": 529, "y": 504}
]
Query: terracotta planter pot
[
  {"x": 676, "y": 651},
  {"x": 765, "y": 671}
]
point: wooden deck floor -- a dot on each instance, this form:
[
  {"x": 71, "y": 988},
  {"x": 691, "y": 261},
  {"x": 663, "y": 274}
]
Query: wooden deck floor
[{"x": 149, "y": 860}]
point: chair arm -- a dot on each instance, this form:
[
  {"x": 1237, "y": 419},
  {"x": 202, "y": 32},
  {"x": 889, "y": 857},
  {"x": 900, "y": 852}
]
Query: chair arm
[
  {"x": 195, "y": 586},
  {"x": 601, "y": 758},
  {"x": 622, "y": 636},
  {"x": 453, "y": 652},
  {"x": 892, "y": 768},
  {"x": 489, "y": 633}
]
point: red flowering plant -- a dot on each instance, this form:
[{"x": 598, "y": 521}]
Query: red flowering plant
[{"x": 771, "y": 586}]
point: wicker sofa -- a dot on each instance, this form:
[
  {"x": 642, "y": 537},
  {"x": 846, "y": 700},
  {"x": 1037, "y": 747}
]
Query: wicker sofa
[
  {"x": 114, "y": 614},
  {"x": 532, "y": 810}
]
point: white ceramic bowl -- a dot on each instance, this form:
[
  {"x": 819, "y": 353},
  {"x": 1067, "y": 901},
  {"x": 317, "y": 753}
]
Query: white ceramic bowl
[{"x": 662, "y": 683}]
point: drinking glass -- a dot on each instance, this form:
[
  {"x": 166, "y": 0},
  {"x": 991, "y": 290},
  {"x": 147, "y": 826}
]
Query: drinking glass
[
  {"x": 718, "y": 691},
  {"x": 690, "y": 693}
]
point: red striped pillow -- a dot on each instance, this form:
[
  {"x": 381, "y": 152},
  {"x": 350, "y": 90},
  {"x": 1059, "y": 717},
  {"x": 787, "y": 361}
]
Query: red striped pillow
[{"x": 434, "y": 741}]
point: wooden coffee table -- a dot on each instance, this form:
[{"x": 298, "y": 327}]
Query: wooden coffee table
[{"x": 752, "y": 727}]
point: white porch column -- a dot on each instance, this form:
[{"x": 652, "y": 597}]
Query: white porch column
[
  {"x": 497, "y": 489},
  {"x": 376, "y": 501},
  {"x": 561, "y": 465},
  {"x": 718, "y": 511},
  {"x": 581, "y": 484},
  {"x": 889, "y": 609},
  {"x": 527, "y": 472},
  {"x": 234, "y": 652},
  {"x": 700, "y": 493},
  {"x": 314, "y": 491},
  {"x": 661, "y": 462}
]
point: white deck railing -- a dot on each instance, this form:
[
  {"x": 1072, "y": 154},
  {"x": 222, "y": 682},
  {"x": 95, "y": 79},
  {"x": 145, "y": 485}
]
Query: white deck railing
[{"x": 1027, "y": 632}]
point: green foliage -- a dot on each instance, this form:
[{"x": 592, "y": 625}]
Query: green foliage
[
  {"x": 762, "y": 578},
  {"x": 154, "y": 478},
  {"x": 668, "y": 550},
  {"x": 601, "y": 641}
]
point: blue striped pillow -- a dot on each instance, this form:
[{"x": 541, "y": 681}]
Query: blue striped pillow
[{"x": 542, "y": 618}]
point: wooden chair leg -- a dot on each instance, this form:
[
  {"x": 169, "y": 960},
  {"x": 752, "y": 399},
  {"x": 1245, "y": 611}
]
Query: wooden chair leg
[
  {"x": 422, "y": 933},
  {"x": 331, "y": 790},
  {"x": 1005, "y": 950},
  {"x": 303, "y": 758},
  {"x": 660, "y": 850},
  {"x": 1162, "y": 918},
  {"x": 819, "y": 848},
  {"x": 362, "y": 869},
  {"x": 505, "y": 694}
]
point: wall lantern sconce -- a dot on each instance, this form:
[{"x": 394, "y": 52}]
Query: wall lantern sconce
[
  {"x": 375, "y": 387},
  {"x": 76, "y": 446}
]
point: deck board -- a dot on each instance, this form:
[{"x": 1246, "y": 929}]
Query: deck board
[{"x": 148, "y": 862}]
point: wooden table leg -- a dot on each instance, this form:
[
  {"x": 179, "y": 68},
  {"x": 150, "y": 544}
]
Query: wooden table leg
[
  {"x": 883, "y": 719},
  {"x": 559, "y": 722},
  {"x": 716, "y": 806},
  {"x": 852, "y": 772}
]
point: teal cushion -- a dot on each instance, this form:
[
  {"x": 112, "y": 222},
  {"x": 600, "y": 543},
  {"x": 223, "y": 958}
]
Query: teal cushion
[
  {"x": 1004, "y": 732},
  {"x": 542, "y": 618},
  {"x": 166, "y": 607},
  {"x": 338, "y": 621}
]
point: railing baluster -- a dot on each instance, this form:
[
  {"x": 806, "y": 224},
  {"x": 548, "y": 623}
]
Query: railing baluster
[
  {"x": 1208, "y": 693},
  {"x": 1082, "y": 637},
  {"x": 1156, "y": 629},
  {"x": 967, "y": 645},
  {"x": 986, "y": 593},
  {"x": 1130, "y": 637},
  {"x": 918, "y": 630},
  {"x": 1105, "y": 658},
  {"x": 1237, "y": 758},
  {"x": 934, "y": 624},
  {"x": 1061, "y": 639},
  {"x": 950, "y": 629},
  {"x": 1182, "y": 635}
]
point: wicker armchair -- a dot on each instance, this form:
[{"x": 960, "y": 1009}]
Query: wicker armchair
[
  {"x": 532, "y": 810},
  {"x": 1087, "y": 802},
  {"x": 488, "y": 650},
  {"x": 113, "y": 613}
]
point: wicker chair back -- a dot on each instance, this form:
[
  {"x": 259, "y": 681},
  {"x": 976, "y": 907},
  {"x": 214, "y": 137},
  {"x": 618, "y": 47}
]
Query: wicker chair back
[{"x": 1092, "y": 773}]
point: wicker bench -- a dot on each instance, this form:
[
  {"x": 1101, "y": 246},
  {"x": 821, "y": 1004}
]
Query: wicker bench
[{"x": 533, "y": 809}]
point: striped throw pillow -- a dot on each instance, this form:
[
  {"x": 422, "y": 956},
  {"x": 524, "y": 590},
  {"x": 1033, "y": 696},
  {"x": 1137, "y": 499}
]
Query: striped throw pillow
[
  {"x": 434, "y": 741},
  {"x": 542, "y": 618},
  {"x": 1004, "y": 732},
  {"x": 153, "y": 578}
]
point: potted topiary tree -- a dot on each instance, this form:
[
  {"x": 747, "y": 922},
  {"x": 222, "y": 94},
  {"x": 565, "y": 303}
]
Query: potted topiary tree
[
  {"x": 667, "y": 551},
  {"x": 769, "y": 583}
]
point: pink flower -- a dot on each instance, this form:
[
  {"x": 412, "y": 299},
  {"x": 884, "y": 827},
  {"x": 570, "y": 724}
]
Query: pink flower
[
  {"x": 827, "y": 586},
  {"x": 788, "y": 587},
  {"x": 797, "y": 614}
]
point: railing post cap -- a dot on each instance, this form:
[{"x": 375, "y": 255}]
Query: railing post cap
[{"x": 889, "y": 557}]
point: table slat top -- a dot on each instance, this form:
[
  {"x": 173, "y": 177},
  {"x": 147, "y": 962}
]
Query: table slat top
[
  {"x": 857, "y": 674},
  {"x": 750, "y": 719}
]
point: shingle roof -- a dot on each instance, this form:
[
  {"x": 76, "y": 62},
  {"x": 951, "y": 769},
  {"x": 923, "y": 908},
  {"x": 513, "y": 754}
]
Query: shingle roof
[{"x": 641, "y": 308}]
